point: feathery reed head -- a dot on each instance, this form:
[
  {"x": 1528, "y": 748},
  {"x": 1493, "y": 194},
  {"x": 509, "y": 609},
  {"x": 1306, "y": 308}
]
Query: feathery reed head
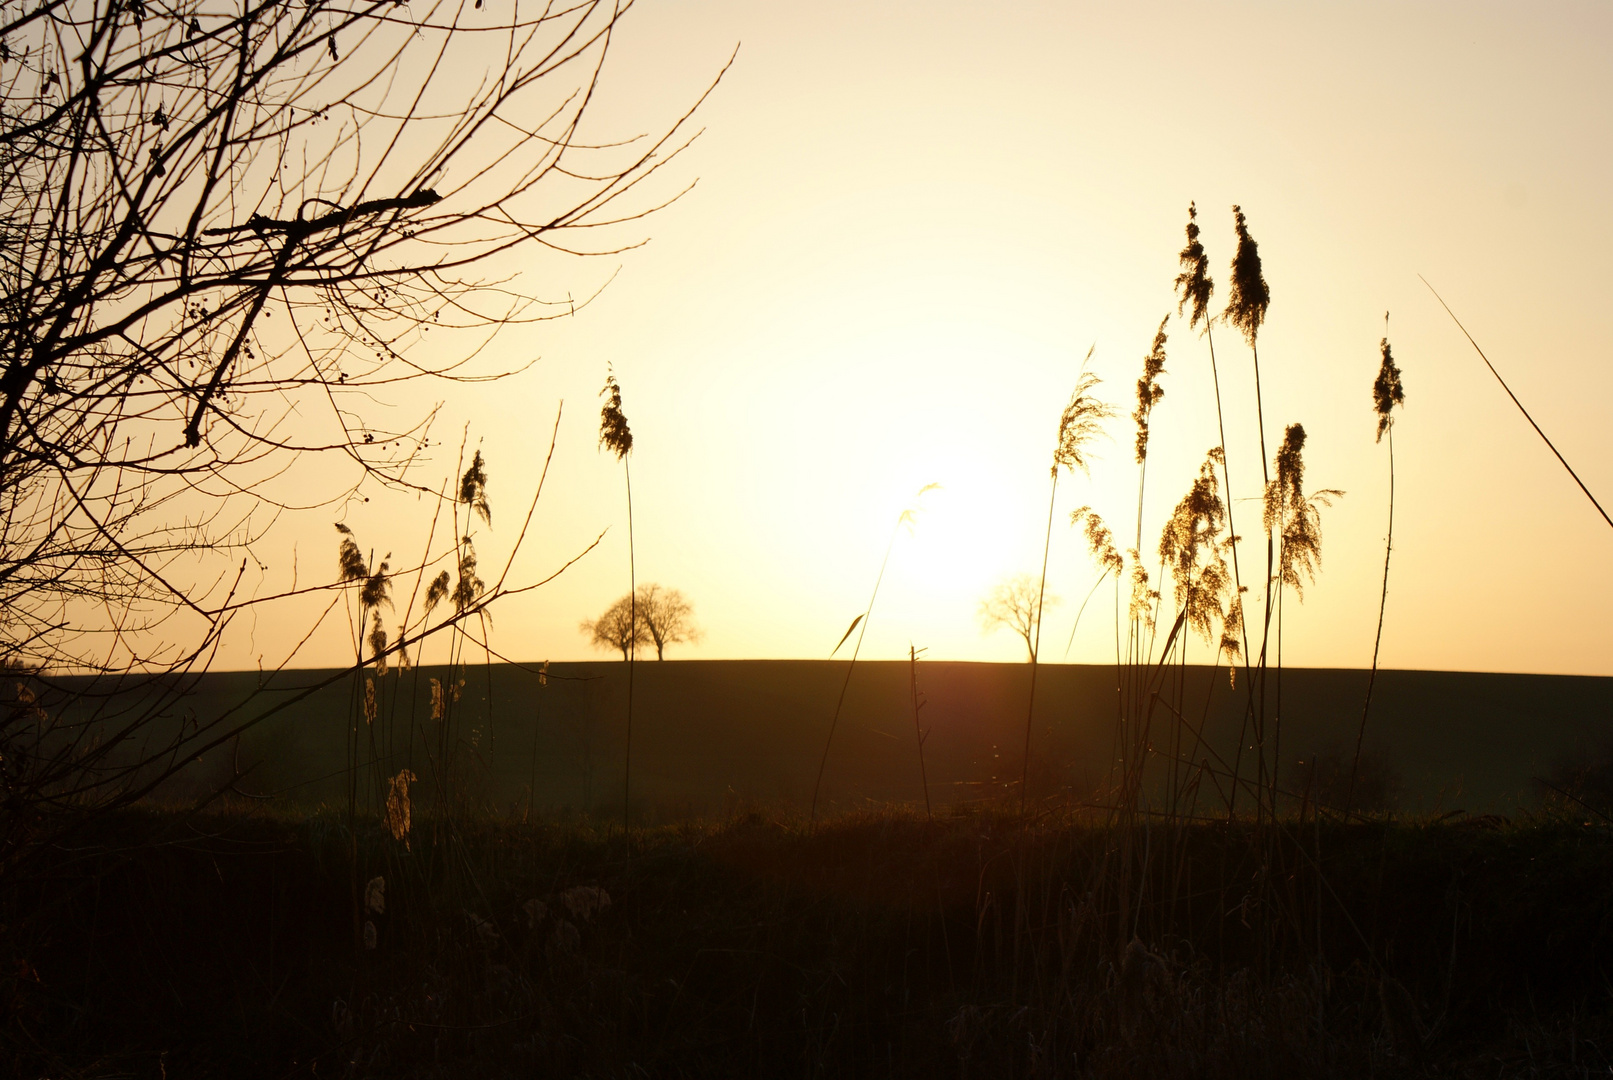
[
  {"x": 349, "y": 559},
  {"x": 1148, "y": 389},
  {"x": 473, "y": 488},
  {"x": 436, "y": 591},
  {"x": 1292, "y": 516},
  {"x": 1191, "y": 546},
  {"x": 1250, "y": 297},
  {"x": 1100, "y": 541},
  {"x": 398, "y": 809},
  {"x": 1080, "y": 423},
  {"x": 377, "y": 590},
  {"x": 469, "y": 587},
  {"x": 1386, "y": 389},
  {"x": 1289, "y": 464},
  {"x": 614, "y": 434},
  {"x": 1193, "y": 284},
  {"x": 378, "y": 643},
  {"x": 1142, "y": 597}
]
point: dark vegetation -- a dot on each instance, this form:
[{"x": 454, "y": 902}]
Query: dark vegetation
[{"x": 878, "y": 944}]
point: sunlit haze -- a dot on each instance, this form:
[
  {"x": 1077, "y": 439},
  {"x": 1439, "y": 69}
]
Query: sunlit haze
[{"x": 912, "y": 222}]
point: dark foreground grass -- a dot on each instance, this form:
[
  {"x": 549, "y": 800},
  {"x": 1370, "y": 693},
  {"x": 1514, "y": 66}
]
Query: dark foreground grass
[{"x": 876, "y": 945}]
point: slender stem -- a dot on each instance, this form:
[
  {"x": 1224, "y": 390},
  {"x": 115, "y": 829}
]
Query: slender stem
[
  {"x": 1258, "y": 700},
  {"x": 1081, "y": 610},
  {"x": 1383, "y": 602},
  {"x": 1237, "y": 574},
  {"x": 1518, "y": 403},
  {"x": 1036, "y": 643},
  {"x": 834, "y": 721},
  {"x": 913, "y": 687},
  {"x": 632, "y": 648}
]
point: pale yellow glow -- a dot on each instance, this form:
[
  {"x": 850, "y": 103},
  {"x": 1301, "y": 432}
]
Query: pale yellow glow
[{"x": 912, "y": 222}]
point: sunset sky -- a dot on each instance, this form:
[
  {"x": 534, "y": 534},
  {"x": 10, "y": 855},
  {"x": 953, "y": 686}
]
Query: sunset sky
[{"x": 911, "y": 223}]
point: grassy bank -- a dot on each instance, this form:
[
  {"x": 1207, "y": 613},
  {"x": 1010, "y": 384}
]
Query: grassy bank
[{"x": 878, "y": 944}]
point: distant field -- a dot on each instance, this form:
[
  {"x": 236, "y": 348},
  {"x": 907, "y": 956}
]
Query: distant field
[{"x": 715, "y": 734}]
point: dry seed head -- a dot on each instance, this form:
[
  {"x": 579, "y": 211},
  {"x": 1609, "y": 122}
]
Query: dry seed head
[
  {"x": 398, "y": 819},
  {"x": 378, "y": 643},
  {"x": 436, "y": 591},
  {"x": 436, "y": 699},
  {"x": 1386, "y": 389},
  {"x": 1250, "y": 296},
  {"x": 614, "y": 434},
  {"x": 371, "y": 938},
  {"x": 349, "y": 559},
  {"x": 1100, "y": 541},
  {"x": 369, "y": 701},
  {"x": 1142, "y": 597},
  {"x": 1080, "y": 423},
  {"x": 1148, "y": 389},
  {"x": 1193, "y": 284},
  {"x": 473, "y": 488},
  {"x": 1294, "y": 518},
  {"x": 469, "y": 587},
  {"x": 375, "y": 896},
  {"x": 1191, "y": 546},
  {"x": 377, "y": 587}
]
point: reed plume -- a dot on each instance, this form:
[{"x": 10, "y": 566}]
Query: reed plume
[
  {"x": 1194, "y": 284},
  {"x": 1387, "y": 392},
  {"x": 1149, "y": 392},
  {"x": 1248, "y": 299},
  {"x": 1079, "y": 425},
  {"x": 617, "y": 437},
  {"x": 1293, "y": 517},
  {"x": 1195, "y": 287},
  {"x": 1250, "y": 296},
  {"x": 1190, "y": 546}
]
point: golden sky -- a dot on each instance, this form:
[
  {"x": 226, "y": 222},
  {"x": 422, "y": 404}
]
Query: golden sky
[{"x": 913, "y": 220}]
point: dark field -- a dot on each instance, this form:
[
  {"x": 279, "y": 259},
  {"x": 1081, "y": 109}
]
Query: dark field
[
  {"x": 292, "y": 926},
  {"x": 710, "y": 735},
  {"x": 878, "y": 945}
]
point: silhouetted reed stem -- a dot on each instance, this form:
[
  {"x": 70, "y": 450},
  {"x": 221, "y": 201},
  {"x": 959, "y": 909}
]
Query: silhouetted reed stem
[
  {"x": 1237, "y": 574},
  {"x": 840, "y": 702},
  {"x": 1383, "y": 603},
  {"x": 918, "y": 730},
  {"x": 1549, "y": 444},
  {"x": 632, "y": 647},
  {"x": 1036, "y": 642}
]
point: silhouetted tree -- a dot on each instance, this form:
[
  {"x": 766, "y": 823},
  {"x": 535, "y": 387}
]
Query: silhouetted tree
[
  {"x": 617, "y": 628},
  {"x": 1016, "y": 603},
  {"x": 666, "y": 617}
]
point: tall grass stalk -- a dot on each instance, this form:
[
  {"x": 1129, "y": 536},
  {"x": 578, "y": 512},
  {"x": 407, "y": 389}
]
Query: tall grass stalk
[
  {"x": 1194, "y": 289},
  {"x": 1549, "y": 444},
  {"x": 918, "y": 729},
  {"x": 617, "y": 437},
  {"x": 860, "y": 624},
  {"x": 1248, "y": 300},
  {"x": 1387, "y": 392},
  {"x": 1079, "y": 424}
]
